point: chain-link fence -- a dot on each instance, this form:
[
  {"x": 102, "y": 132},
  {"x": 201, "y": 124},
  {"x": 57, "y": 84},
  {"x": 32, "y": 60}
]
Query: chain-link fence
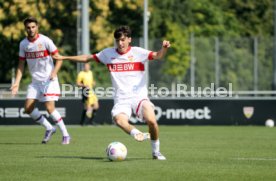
[{"x": 244, "y": 65}]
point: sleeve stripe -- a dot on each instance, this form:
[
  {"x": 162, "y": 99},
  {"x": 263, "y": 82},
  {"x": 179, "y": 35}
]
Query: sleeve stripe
[
  {"x": 54, "y": 52},
  {"x": 150, "y": 57},
  {"x": 96, "y": 58},
  {"x": 22, "y": 58}
]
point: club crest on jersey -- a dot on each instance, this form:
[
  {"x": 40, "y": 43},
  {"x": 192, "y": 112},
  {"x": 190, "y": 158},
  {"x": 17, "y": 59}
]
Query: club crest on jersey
[
  {"x": 40, "y": 46},
  {"x": 130, "y": 58}
]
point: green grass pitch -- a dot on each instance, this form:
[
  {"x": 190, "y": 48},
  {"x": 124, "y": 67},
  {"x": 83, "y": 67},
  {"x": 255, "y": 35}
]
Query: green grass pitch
[{"x": 193, "y": 153}]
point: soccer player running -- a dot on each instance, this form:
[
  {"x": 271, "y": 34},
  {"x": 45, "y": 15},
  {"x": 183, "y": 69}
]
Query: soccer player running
[
  {"x": 86, "y": 81},
  {"x": 39, "y": 51},
  {"x": 126, "y": 65}
]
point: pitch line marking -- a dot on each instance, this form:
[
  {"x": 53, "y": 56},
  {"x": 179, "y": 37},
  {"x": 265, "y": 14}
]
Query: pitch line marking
[{"x": 256, "y": 159}]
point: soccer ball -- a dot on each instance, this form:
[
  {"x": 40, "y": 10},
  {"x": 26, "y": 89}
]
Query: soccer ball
[
  {"x": 269, "y": 123},
  {"x": 116, "y": 151}
]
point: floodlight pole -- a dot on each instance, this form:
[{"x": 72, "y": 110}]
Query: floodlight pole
[
  {"x": 145, "y": 33},
  {"x": 83, "y": 30},
  {"x": 85, "y": 26},
  {"x": 274, "y": 50}
]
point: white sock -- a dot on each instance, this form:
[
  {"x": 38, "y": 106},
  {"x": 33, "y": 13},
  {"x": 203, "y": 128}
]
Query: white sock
[
  {"x": 155, "y": 144},
  {"x": 134, "y": 131},
  {"x": 59, "y": 122},
  {"x": 39, "y": 118}
]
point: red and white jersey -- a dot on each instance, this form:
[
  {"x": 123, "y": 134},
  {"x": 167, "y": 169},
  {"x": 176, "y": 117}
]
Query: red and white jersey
[
  {"x": 38, "y": 55},
  {"x": 127, "y": 70}
]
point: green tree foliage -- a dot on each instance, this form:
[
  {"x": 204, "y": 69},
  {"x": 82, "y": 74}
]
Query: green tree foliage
[
  {"x": 203, "y": 18},
  {"x": 265, "y": 63},
  {"x": 106, "y": 15},
  {"x": 251, "y": 15},
  {"x": 236, "y": 64},
  {"x": 177, "y": 61}
]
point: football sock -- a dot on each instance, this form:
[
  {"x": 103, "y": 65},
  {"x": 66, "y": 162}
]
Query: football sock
[
  {"x": 93, "y": 116},
  {"x": 83, "y": 116},
  {"x": 89, "y": 113},
  {"x": 39, "y": 118},
  {"x": 59, "y": 122},
  {"x": 134, "y": 131},
  {"x": 155, "y": 144}
]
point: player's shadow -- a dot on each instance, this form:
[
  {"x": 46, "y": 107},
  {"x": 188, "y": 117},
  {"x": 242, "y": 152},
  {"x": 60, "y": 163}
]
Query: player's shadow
[
  {"x": 20, "y": 143},
  {"x": 104, "y": 159},
  {"x": 74, "y": 157}
]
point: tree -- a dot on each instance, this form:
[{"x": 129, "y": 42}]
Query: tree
[{"x": 177, "y": 60}]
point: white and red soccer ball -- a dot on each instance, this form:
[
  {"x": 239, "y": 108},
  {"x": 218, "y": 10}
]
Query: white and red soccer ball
[{"x": 116, "y": 151}]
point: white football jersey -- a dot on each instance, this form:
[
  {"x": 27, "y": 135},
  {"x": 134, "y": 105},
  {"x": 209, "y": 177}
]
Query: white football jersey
[
  {"x": 127, "y": 70},
  {"x": 38, "y": 55}
]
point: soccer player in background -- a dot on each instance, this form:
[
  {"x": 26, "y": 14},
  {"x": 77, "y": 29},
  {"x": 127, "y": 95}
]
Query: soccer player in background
[
  {"x": 86, "y": 81},
  {"x": 39, "y": 51},
  {"x": 126, "y": 65}
]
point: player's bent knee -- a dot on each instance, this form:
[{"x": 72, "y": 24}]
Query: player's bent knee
[
  {"x": 152, "y": 122},
  {"x": 120, "y": 119}
]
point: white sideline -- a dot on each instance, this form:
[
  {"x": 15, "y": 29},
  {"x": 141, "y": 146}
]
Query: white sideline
[{"x": 256, "y": 159}]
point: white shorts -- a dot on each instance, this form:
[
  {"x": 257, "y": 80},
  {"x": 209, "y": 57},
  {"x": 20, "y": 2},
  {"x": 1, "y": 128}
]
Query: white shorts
[
  {"x": 129, "y": 106},
  {"x": 44, "y": 91}
]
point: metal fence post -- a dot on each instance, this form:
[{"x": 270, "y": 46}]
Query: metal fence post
[
  {"x": 255, "y": 53},
  {"x": 192, "y": 55},
  {"x": 217, "y": 66}
]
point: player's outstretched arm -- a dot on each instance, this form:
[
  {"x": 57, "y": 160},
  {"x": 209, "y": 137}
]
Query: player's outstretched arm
[
  {"x": 79, "y": 58},
  {"x": 57, "y": 66},
  {"x": 19, "y": 72},
  {"x": 162, "y": 52}
]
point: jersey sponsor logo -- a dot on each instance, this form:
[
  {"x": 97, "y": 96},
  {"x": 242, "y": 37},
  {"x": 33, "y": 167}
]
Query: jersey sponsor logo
[
  {"x": 126, "y": 67},
  {"x": 38, "y": 54}
]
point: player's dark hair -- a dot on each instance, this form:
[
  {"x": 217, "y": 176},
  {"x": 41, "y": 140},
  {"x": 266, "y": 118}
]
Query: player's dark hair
[
  {"x": 30, "y": 20},
  {"x": 122, "y": 30}
]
